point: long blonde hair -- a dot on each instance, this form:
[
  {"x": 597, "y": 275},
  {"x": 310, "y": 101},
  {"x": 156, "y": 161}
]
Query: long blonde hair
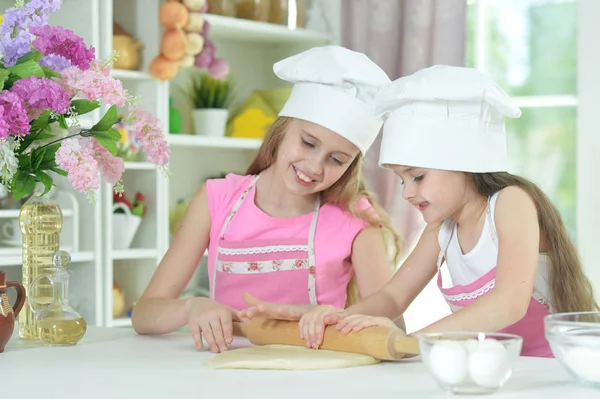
[
  {"x": 571, "y": 289},
  {"x": 344, "y": 193}
]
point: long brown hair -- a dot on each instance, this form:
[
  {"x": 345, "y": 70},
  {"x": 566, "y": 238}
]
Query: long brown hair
[
  {"x": 344, "y": 193},
  {"x": 571, "y": 289}
]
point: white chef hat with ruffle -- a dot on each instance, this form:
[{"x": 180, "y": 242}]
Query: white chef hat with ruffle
[
  {"x": 445, "y": 117},
  {"x": 334, "y": 87}
]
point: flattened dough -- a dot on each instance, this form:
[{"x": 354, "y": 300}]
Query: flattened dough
[{"x": 287, "y": 357}]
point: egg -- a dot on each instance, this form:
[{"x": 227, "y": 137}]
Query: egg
[
  {"x": 488, "y": 364},
  {"x": 449, "y": 362}
]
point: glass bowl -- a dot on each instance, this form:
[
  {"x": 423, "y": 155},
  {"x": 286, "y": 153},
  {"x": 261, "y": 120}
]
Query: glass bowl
[
  {"x": 470, "y": 362},
  {"x": 575, "y": 341}
]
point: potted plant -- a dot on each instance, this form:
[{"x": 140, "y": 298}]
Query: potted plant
[
  {"x": 127, "y": 216},
  {"x": 210, "y": 98}
]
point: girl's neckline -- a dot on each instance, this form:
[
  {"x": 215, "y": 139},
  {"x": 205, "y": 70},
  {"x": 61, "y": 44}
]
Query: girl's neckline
[{"x": 275, "y": 219}]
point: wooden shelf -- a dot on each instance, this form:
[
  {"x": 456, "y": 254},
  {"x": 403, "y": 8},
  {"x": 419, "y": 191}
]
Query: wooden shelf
[
  {"x": 134, "y": 253},
  {"x": 17, "y": 259},
  {"x": 243, "y": 30},
  {"x": 191, "y": 140}
]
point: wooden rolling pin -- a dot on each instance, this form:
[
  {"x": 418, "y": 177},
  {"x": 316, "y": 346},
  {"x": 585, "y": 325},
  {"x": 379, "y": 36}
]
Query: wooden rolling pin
[{"x": 380, "y": 342}]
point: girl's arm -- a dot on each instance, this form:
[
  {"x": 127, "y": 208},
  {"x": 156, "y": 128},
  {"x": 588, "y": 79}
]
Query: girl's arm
[
  {"x": 393, "y": 299},
  {"x": 159, "y": 309},
  {"x": 518, "y": 250}
]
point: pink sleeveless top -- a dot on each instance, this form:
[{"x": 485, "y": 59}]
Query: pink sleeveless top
[{"x": 299, "y": 260}]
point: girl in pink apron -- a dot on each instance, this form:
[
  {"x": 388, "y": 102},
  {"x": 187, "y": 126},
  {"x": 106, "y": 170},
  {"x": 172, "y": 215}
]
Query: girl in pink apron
[
  {"x": 298, "y": 227},
  {"x": 509, "y": 260}
]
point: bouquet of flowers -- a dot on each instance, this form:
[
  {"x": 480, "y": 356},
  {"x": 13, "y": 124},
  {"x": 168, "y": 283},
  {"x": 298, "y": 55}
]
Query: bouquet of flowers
[{"x": 48, "y": 78}]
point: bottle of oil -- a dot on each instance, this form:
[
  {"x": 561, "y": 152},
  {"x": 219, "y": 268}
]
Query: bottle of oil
[
  {"x": 58, "y": 323},
  {"x": 41, "y": 222}
]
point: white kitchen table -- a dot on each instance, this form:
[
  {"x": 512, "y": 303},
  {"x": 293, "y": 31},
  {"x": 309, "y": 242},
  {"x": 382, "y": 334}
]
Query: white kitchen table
[{"x": 117, "y": 363}]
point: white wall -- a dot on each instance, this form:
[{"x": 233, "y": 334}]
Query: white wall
[{"x": 588, "y": 157}]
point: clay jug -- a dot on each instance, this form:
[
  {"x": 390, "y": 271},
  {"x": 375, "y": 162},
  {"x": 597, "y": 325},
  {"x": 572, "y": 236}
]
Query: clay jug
[{"x": 9, "y": 313}]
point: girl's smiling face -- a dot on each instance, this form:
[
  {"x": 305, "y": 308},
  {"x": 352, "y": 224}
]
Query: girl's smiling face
[
  {"x": 437, "y": 194},
  {"x": 311, "y": 158}
]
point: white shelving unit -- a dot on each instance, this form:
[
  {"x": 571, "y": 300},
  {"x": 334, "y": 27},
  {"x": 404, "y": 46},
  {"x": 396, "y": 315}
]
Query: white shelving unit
[{"x": 251, "y": 48}]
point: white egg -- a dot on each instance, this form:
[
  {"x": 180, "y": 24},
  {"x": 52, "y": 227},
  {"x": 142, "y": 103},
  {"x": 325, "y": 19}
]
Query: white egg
[
  {"x": 448, "y": 362},
  {"x": 488, "y": 364}
]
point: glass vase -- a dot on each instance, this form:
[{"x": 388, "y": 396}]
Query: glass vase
[{"x": 40, "y": 221}]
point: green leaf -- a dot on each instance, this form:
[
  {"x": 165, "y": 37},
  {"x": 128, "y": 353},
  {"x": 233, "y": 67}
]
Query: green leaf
[
  {"x": 45, "y": 179},
  {"x": 50, "y": 73},
  {"x": 32, "y": 55},
  {"x": 109, "y": 144},
  {"x": 62, "y": 122},
  {"x": 109, "y": 134},
  {"x": 24, "y": 161},
  {"x": 4, "y": 73},
  {"x": 27, "y": 69},
  {"x": 59, "y": 171},
  {"x": 42, "y": 122},
  {"x": 37, "y": 157},
  {"x": 107, "y": 121},
  {"x": 23, "y": 183},
  {"x": 84, "y": 106}
]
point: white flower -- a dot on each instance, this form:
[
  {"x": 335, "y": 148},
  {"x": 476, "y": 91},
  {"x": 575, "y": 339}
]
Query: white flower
[{"x": 8, "y": 162}]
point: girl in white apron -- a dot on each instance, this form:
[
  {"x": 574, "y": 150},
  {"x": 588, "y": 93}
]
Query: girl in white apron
[
  {"x": 509, "y": 258},
  {"x": 299, "y": 225}
]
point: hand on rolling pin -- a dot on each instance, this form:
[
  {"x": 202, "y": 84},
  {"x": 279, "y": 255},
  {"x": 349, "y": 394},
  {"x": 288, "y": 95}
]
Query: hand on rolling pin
[
  {"x": 311, "y": 323},
  {"x": 212, "y": 320},
  {"x": 271, "y": 310},
  {"x": 357, "y": 322}
]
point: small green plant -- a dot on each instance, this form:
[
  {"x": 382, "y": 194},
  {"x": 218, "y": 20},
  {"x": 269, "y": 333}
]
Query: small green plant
[{"x": 206, "y": 92}]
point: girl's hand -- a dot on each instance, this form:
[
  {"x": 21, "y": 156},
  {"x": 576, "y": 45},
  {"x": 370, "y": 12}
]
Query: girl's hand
[
  {"x": 259, "y": 308},
  {"x": 213, "y": 320},
  {"x": 312, "y": 324},
  {"x": 357, "y": 322}
]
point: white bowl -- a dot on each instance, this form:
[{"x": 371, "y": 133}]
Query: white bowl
[
  {"x": 575, "y": 341},
  {"x": 470, "y": 362}
]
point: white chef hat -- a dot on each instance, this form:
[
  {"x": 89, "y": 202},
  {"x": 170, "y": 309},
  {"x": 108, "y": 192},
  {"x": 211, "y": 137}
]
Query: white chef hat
[
  {"x": 334, "y": 87},
  {"x": 445, "y": 117}
]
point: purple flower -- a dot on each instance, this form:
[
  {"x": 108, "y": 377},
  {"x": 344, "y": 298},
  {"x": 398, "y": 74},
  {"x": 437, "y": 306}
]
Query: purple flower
[
  {"x": 64, "y": 42},
  {"x": 14, "y": 114},
  {"x": 40, "y": 94},
  {"x": 55, "y": 62},
  {"x": 204, "y": 58},
  {"x": 15, "y": 38}
]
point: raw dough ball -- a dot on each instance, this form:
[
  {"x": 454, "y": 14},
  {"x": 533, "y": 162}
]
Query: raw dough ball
[
  {"x": 287, "y": 357},
  {"x": 448, "y": 362}
]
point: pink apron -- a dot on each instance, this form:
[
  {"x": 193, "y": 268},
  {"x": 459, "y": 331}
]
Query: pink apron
[
  {"x": 530, "y": 327},
  {"x": 278, "y": 270}
]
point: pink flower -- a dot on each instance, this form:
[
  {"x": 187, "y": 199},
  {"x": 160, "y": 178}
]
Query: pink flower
[
  {"x": 14, "y": 114},
  {"x": 76, "y": 157},
  {"x": 149, "y": 133},
  {"x": 112, "y": 167},
  {"x": 41, "y": 94},
  {"x": 64, "y": 42},
  {"x": 3, "y": 125},
  {"x": 94, "y": 84},
  {"x": 218, "y": 68}
]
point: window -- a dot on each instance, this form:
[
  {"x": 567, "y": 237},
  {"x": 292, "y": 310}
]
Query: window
[{"x": 529, "y": 47}]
